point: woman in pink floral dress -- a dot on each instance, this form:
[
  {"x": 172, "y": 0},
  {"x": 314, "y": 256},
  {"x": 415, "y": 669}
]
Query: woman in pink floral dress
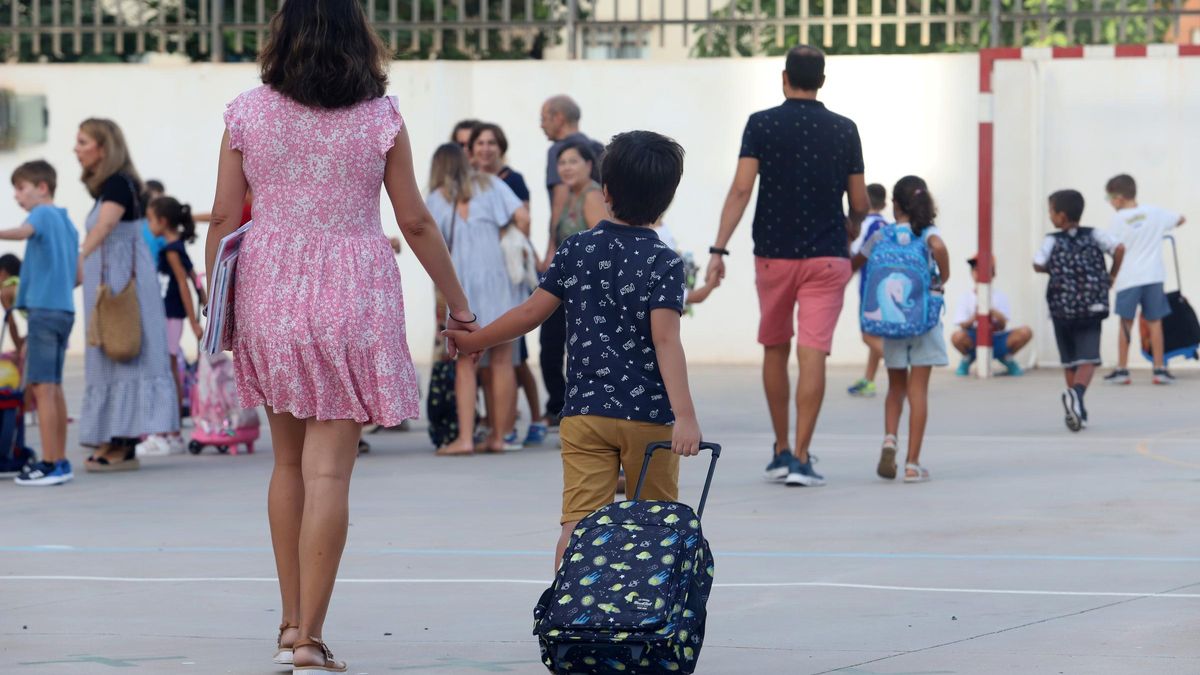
[{"x": 319, "y": 337}]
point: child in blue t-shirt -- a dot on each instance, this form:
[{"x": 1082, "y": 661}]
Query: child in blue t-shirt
[
  {"x": 46, "y": 292},
  {"x": 623, "y": 290},
  {"x": 877, "y": 194}
]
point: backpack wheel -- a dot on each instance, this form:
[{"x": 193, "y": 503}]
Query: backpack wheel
[
  {"x": 195, "y": 447},
  {"x": 223, "y": 449}
]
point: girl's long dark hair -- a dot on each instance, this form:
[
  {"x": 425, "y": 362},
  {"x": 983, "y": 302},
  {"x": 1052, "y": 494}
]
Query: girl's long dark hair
[
  {"x": 178, "y": 216},
  {"x": 912, "y": 196}
]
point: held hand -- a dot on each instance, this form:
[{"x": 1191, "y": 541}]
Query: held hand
[
  {"x": 685, "y": 437},
  {"x": 716, "y": 268},
  {"x": 455, "y": 325}
]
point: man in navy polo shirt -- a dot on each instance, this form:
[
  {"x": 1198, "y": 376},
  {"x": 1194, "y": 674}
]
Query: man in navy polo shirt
[{"x": 806, "y": 158}]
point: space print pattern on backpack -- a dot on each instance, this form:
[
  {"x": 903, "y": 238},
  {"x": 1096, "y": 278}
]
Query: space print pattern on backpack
[
  {"x": 1079, "y": 279},
  {"x": 897, "y": 298}
]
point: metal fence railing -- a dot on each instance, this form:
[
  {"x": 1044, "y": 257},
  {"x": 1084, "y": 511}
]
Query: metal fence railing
[{"x": 217, "y": 30}]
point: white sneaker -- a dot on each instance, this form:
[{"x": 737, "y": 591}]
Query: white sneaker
[
  {"x": 177, "y": 445},
  {"x": 153, "y": 446}
]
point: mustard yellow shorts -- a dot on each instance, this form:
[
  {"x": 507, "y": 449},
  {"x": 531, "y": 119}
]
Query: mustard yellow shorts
[{"x": 593, "y": 447}]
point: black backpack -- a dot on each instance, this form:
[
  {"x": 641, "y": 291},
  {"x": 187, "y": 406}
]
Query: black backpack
[
  {"x": 1079, "y": 280},
  {"x": 631, "y": 591}
]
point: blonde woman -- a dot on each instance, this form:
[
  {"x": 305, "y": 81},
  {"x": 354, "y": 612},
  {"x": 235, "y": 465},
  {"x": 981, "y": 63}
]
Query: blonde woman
[
  {"x": 470, "y": 209},
  {"x": 123, "y": 401}
]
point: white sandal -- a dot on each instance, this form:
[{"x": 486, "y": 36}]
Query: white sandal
[
  {"x": 329, "y": 666},
  {"x": 922, "y": 474},
  {"x": 887, "y": 459},
  {"x": 283, "y": 655}
]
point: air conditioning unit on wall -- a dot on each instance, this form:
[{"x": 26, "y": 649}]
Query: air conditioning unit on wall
[{"x": 24, "y": 119}]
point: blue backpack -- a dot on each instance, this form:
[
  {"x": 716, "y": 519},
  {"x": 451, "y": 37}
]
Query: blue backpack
[{"x": 897, "y": 301}]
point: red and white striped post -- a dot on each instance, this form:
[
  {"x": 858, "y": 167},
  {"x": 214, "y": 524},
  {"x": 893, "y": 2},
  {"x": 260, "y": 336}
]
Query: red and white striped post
[{"x": 987, "y": 61}]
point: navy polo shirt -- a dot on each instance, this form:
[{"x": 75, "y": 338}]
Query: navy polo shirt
[
  {"x": 805, "y": 154},
  {"x": 609, "y": 279}
]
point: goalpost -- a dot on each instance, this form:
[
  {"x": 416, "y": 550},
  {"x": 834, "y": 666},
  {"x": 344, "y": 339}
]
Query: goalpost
[{"x": 1071, "y": 117}]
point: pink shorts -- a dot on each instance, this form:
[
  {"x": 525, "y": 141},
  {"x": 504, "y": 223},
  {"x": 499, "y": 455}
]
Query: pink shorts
[
  {"x": 812, "y": 287},
  {"x": 174, "y": 335}
]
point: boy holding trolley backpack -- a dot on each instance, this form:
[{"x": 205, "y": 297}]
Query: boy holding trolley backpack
[{"x": 629, "y": 595}]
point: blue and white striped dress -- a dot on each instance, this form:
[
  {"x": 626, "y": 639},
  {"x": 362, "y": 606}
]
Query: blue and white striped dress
[{"x": 137, "y": 398}]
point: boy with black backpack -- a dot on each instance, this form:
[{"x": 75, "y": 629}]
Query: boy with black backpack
[{"x": 1077, "y": 295}]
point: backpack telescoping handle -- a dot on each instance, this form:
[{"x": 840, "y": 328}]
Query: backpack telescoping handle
[
  {"x": 663, "y": 445},
  {"x": 1175, "y": 255}
]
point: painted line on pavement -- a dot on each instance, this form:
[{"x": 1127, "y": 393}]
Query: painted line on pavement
[
  {"x": 503, "y": 553},
  {"x": 540, "y": 582},
  {"x": 1143, "y": 447}
]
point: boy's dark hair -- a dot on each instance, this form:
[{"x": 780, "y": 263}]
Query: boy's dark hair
[
  {"x": 641, "y": 172},
  {"x": 877, "y": 194},
  {"x": 806, "y": 68},
  {"x": 477, "y": 131},
  {"x": 1069, "y": 203},
  {"x": 1122, "y": 186},
  {"x": 178, "y": 216},
  {"x": 10, "y": 264},
  {"x": 324, "y": 54},
  {"x": 35, "y": 172},
  {"x": 464, "y": 124},
  {"x": 912, "y": 196},
  {"x": 155, "y": 186}
]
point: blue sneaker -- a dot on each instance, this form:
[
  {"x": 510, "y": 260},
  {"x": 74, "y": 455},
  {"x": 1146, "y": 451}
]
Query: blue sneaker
[
  {"x": 1014, "y": 368},
  {"x": 964, "y": 368},
  {"x": 780, "y": 466},
  {"x": 511, "y": 438},
  {"x": 801, "y": 474},
  {"x": 42, "y": 474},
  {"x": 536, "y": 435}
]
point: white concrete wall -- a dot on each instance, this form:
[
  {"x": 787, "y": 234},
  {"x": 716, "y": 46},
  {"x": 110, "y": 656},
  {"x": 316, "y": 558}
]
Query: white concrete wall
[
  {"x": 1075, "y": 124},
  {"x": 916, "y": 114}
]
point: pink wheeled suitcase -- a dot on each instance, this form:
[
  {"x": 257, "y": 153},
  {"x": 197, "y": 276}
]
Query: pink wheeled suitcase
[{"x": 219, "y": 419}]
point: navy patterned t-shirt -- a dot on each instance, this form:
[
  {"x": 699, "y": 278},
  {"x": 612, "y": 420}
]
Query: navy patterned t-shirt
[
  {"x": 805, "y": 154},
  {"x": 609, "y": 279}
]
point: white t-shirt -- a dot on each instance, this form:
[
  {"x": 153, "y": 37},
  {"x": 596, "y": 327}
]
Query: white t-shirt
[
  {"x": 1107, "y": 244},
  {"x": 870, "y": 225},
  {"x": 1141, "y": 229},
  {"x": 965, "y": 309}
]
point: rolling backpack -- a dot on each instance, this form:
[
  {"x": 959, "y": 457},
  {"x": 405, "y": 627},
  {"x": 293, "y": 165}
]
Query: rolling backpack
[
  {"x": 631, "y": 591},
  {"x": 897, "y": 298},
  {"x": 1079, "y": 280},
  {"x": 441, "y": 408}
]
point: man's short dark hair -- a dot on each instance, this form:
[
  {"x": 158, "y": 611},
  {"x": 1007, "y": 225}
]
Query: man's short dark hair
[
  {"x": 463, "y": 124},
  {"x": 1122, "y": 186},
  {"x": 156, "y": 186},
  {"x": 877, "y": 194},
  {"x": 641, "y": 171},
  {"x": 35, "y": 172},
  {"x": 1069, "y": 203},
  {"x": 806, "y": 68},
  {"x": 11, "y": 264}
]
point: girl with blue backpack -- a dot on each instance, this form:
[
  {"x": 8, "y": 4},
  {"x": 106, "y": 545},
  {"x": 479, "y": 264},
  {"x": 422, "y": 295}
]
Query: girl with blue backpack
[{"x": 903, "y": 302}]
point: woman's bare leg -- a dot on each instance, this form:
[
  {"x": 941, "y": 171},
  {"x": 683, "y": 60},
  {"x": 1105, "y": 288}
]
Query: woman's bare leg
[
  {"x": 464, "y": 389},
  {"x": 330, "y": 449},
  {"x": 285, "y": 506},
  {"x": 504, "y": 396}
]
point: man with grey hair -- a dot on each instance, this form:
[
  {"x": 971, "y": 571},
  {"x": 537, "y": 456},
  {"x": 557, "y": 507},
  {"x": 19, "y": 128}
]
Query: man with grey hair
[{"x": 560, "y": 122}]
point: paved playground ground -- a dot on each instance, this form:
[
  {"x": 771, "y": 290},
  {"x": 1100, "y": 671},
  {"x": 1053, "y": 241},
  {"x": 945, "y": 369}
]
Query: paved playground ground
[{"x": 1033, "y": 550}]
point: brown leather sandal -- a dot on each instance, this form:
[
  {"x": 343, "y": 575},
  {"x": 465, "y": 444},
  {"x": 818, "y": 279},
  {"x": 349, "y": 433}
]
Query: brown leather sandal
[
  {"x": 283, "y": 653},
  {"x": 330, "y": 666}
]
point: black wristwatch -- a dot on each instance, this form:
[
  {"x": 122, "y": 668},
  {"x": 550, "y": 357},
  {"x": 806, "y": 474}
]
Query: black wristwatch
[{"x": 718, "y": 251}]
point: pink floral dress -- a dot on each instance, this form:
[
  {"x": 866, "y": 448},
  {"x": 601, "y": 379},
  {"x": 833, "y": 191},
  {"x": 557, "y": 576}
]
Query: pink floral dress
[{"x": 319, "y": 310}]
